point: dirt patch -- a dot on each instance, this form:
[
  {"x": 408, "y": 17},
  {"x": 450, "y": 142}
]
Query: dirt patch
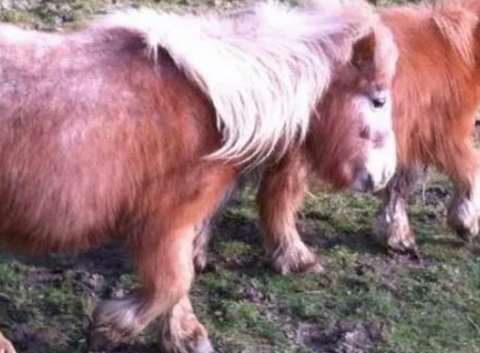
[{"x": 342, "y": 337}]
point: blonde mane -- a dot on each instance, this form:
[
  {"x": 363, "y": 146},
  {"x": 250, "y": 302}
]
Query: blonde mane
[{"x": 263, "y": 68}]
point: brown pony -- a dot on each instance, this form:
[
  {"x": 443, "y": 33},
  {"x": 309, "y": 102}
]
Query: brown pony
[
  {"x": 436, "y": 97},
  {"x": 436, "y": 93},
  {"x": 136, "y": 127}
]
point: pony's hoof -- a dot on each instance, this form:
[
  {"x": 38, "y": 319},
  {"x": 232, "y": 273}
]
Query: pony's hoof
[
  {"x": 410, "y": 252},
  {"x": 405, "y": 247},
  {"x": 205, "y": 346},
  {"x": 200, "y": 346},
  {"x": 115, "y": 321},
  {"x": 466, "y": 228},
  {"x": 466, "y": 233},
  {"x": 402, "y": 243},
  {"x": 463, "y": 218},
  {"x": 296, "y": 259},
  {"x": 392, "y": 230},
  {"x": 184, "y": 337},
  {"x": 181, "y": 332},
  {"x": 6, "y": 346}
]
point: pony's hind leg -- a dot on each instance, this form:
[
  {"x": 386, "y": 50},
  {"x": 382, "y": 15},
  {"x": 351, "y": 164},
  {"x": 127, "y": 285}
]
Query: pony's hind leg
[
  {"x": 392, "y": 227},
  {"x": 5, "y": 345},
  {"x": 166, "y": 272},
  {"x": 280, "y": 196}
]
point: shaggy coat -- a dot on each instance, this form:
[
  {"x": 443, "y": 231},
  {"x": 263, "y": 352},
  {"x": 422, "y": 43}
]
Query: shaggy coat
[
  {"x": 136, "y": 128},
  {"x": 436, "y": 94}
]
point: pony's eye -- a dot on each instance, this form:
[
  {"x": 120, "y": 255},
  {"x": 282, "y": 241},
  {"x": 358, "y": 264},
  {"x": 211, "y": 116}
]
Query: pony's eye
[{"x": 378, "y": 100}]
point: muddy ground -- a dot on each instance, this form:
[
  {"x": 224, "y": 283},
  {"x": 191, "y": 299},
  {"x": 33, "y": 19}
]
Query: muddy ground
[{"x": 368, "y": 300}]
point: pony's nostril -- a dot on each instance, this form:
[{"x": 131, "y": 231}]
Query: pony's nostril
[
  {"x": 379, "y": 140},
  {"x": 365, "y": 133},
  {"x": 364, "y": 182},
  {"x": 369, "y": 184}
]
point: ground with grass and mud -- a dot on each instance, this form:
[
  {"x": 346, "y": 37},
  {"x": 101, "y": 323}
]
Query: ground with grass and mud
[{"x": 368, "y": 301}]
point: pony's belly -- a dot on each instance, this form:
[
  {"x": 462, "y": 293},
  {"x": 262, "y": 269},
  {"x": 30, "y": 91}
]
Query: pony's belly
[{"x": 41, "y": 227}]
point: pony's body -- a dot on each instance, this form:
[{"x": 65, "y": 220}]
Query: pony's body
[
  {"x": 124, "y": 130},
  {"x": 82, "y": 127},
  {"x": 436, "y": 93}
]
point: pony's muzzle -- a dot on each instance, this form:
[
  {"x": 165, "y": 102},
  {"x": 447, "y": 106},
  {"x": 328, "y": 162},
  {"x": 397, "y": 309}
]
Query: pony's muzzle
[
  {"x": 378, "y": 169},
  {"x": 364, "y": 182},
  {"x": 368, "y": 182}
]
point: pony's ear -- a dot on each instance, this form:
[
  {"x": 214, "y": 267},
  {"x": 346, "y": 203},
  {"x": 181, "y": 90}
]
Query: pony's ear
[{"x": 364, "y": 50}]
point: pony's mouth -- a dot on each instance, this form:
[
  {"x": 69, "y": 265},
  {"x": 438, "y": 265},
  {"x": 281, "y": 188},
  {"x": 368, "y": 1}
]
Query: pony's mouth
[{"x": 367, "y": 182}]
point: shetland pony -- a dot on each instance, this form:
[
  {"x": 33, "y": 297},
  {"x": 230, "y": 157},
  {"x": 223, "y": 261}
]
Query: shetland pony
[
  {"x": 136, "y": 127},
  {"x": 436, "y": 93}
]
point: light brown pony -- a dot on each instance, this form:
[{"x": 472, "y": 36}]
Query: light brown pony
[
  {"x": 436, "y": 93},
  {"x": 136, "y": 127}
]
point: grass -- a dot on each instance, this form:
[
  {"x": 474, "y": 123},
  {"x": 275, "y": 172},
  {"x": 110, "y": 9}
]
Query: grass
[
  {"x": 400, "y": 305},
  {"x": 366, "y": 302}
]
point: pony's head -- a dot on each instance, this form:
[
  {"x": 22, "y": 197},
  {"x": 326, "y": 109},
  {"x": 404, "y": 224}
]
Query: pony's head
[{"x": 352, "y": 143}]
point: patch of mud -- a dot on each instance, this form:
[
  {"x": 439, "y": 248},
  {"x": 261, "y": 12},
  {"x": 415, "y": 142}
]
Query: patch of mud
[{"x": 342, "y": 337}]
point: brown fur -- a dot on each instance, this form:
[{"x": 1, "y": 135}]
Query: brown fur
[
  {"x": 101, "y": 142},
  {"x": 438, "y": 72},
  {"x": 436, "y": 94}
]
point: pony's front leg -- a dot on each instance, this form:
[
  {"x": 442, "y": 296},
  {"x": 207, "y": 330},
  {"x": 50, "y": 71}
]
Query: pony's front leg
[
  {"x": 200, "y": 248},
  {"x": 392, "y": 227},
  {"x": 164, "y": 250},
  {"x": 181, "y": 332},
  {"x": 281, "y": 194},
  {"x": 166, "y": 271},
  {"x": 464, "y": 210},
  {"x": 5, "y": 345}
]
